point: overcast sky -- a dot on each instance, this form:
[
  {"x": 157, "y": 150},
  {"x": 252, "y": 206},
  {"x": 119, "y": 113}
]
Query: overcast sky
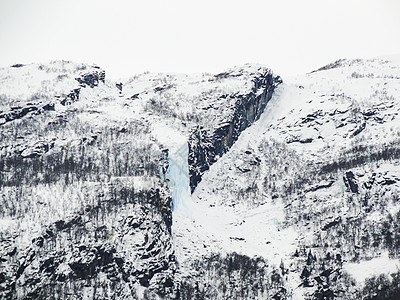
[{"x": 126, "y": 37}]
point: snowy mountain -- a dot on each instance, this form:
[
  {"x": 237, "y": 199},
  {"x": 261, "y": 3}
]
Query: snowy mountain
[{"x": 238, "y": 185}]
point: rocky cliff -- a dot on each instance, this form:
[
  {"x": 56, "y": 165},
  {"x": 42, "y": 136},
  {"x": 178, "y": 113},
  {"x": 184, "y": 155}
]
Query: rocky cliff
[{"x": 207, "y": 144}]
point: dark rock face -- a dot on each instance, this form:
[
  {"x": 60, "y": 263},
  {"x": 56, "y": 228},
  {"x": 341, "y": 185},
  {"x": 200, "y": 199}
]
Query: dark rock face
[
  {"x": 17, "y": 66},
  {"x": 72, "y": 97},
  {"x": 92, "y": 79},
  {"x": 119, "y": 86},
  {"x": 351, "y": 182},
  {"x": 331, "y": 224},
  {"x": 206, "y": 145},
  {"x": 359, "y": 129},
  {"x": 19, "y": 112},
  {"x": 37, "y": 149}
]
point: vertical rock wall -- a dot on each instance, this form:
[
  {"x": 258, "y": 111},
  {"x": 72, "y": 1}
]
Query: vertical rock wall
[{"x": 205, "y": 145}]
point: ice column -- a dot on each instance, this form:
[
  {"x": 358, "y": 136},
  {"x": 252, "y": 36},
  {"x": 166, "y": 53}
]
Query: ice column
[{"x": 178, "y": 177}]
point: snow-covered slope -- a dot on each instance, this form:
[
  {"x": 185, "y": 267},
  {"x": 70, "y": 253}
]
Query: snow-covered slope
[{"x": 315, "y": 176}]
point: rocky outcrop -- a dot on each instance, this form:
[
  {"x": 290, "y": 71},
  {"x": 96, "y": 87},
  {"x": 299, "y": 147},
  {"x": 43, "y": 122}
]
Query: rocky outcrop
[
  {"x": 119, "y": 86},
  {"x": 38, "y": 148},
  {"x": 89, "y": 79},
  {"x": 85, "y": 211},
  {"x": 351, "y": 182},
  {"x": 205, "y": 145},
  {"x": 92, "y": 79},
  {"x": 18, "y": 112},
  {"x": 72, "y": 97}
]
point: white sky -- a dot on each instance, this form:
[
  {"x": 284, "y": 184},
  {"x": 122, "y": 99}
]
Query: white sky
[{"x": 126, "y": 37}]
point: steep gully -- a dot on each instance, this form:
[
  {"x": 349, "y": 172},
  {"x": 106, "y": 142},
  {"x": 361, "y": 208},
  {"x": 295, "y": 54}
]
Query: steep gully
[
  {"x": 189, "y": 159},
  {"x": 205, "y": 146}
]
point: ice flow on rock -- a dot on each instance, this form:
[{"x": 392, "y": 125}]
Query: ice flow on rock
[
  {"x": 178, "y": 167},
  {"x": 178, "y": 177}
]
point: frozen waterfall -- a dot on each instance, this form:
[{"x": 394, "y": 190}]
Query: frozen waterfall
[{"x": 178, "y": 177}]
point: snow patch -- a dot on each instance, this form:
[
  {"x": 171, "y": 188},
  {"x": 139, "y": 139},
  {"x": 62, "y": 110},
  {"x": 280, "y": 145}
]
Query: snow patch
[{"x": 379, "y": 265}]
